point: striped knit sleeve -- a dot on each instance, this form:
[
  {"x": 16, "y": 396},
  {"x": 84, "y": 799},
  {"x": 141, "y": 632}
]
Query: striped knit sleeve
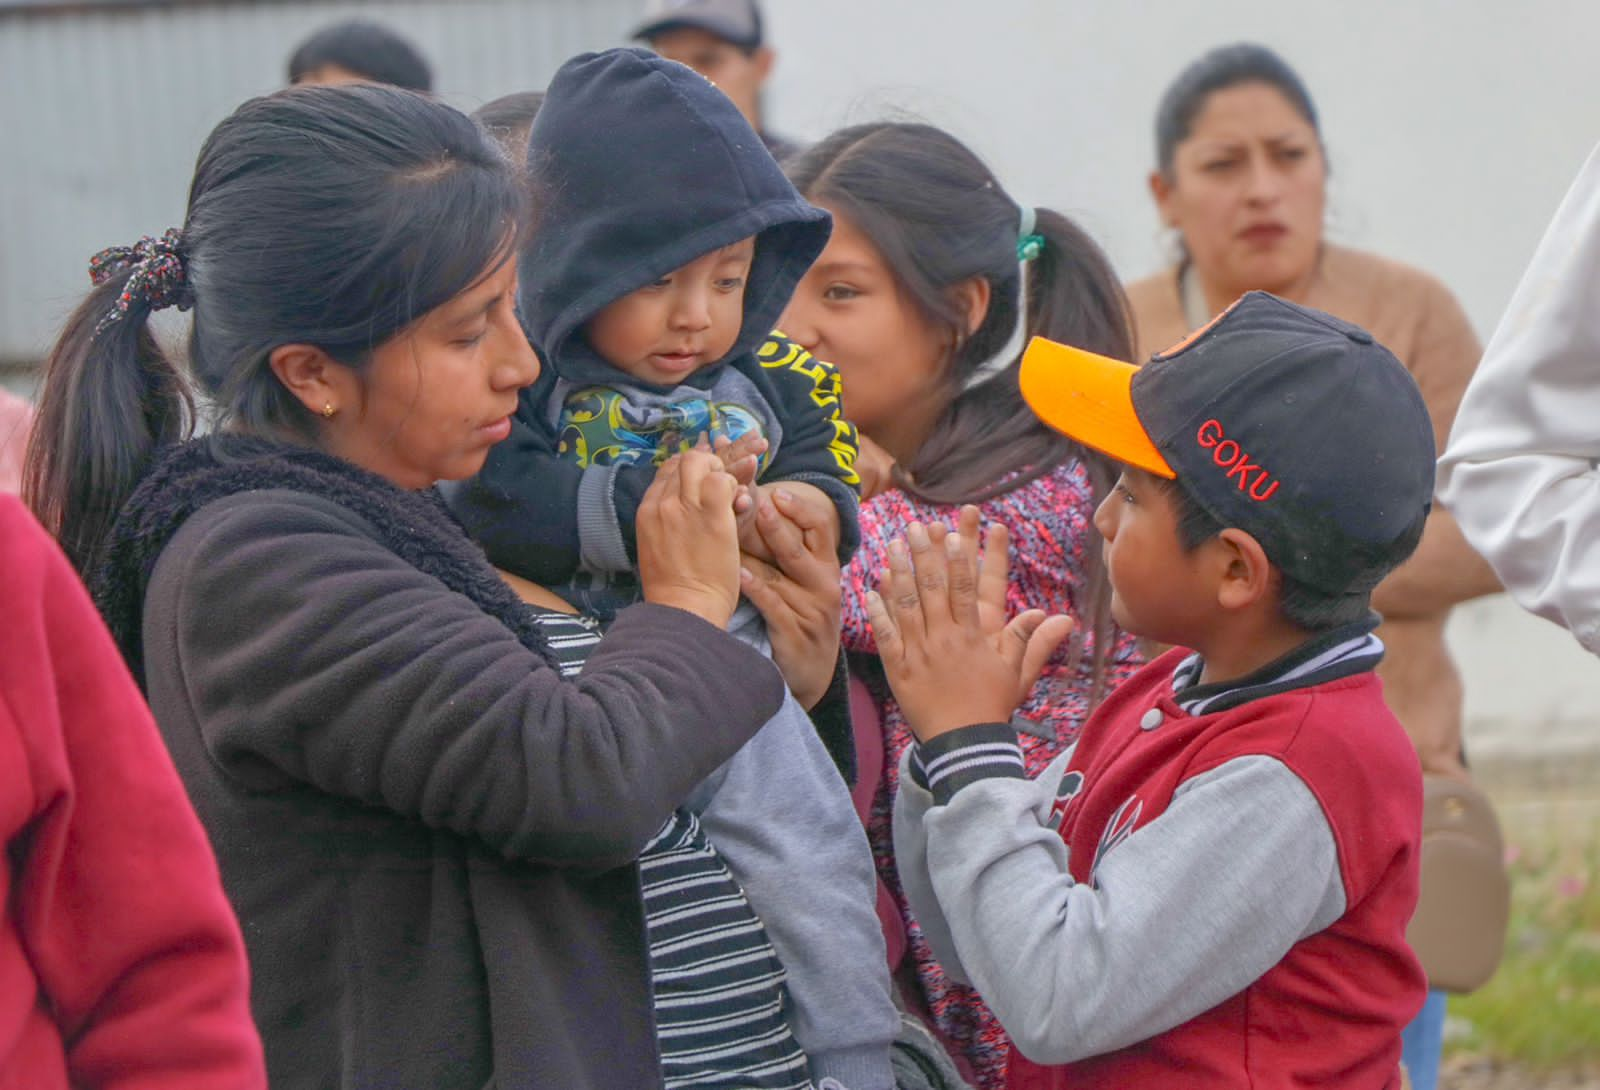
[{"x": 946, "y": 764}]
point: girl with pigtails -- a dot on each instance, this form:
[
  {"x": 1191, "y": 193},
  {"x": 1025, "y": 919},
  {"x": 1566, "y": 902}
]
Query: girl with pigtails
[{"x": 924, "y": 299}]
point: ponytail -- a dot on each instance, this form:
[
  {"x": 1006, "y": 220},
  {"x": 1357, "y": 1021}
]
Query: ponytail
[
  {"x": 989, "y": 441},
  {"x": 328, "y": 216},
  {"x": 110, "y": 397}
]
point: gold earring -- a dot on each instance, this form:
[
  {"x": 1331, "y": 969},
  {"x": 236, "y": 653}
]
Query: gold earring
[{"x": 328, "y": 410}]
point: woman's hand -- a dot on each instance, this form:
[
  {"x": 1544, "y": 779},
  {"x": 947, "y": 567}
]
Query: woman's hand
[
  {"x": 798, "y": 593},
  {"x": 688, "y": 537},
  {"x": 938, "y": 619},
  {"x": 875, "y": 467},
  {"x": 807, "y": 505}
]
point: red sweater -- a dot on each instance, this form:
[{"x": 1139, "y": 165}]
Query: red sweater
[
  {"x": 1329, "y": 1013},
  {"x": 121, "y": 965}
]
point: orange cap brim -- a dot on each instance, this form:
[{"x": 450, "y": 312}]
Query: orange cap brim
[{"x": 1088, "y": 397}]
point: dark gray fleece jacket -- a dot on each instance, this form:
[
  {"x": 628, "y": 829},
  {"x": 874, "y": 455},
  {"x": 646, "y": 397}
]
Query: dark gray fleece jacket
[{"x": 427, "y": 834}]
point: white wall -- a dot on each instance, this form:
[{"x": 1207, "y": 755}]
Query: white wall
[
  {"x": 103, "y": 111},
  {"x": 1453, "y": 130}
]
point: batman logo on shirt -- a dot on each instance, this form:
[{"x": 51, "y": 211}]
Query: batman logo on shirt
[{"x": 598, "y": 427}]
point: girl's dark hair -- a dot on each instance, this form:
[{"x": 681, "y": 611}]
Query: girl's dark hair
[
  {"x": 331, "y": 216},
  {"x": 370, "y": 50},
  {"x": 939, "y": 217},
  {"x": 1221, "y": 68}
]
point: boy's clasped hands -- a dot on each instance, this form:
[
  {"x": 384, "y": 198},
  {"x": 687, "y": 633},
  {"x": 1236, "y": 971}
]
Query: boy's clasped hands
[{"x": 939, "y": 618}]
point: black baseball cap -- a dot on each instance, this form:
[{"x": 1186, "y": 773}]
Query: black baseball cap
[
  {"x": 1283, "y": 421},
  {"x": 735, "y": 21}
]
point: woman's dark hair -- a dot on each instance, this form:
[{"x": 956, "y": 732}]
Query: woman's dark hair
[
  {"x": 1301, "y": 605},
  {"x": 368, "y": 49},
  {"x": 1221, "y": 68},
  {"x": 939, "y": 217},
  {"x": 331, "y": 216}
]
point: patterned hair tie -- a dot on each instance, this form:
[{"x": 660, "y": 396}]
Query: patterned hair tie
[{"x": 159, "y": 278}]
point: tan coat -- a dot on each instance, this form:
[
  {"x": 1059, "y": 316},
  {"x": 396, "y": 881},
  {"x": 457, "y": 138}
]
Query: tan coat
[{"x": 1421, "y": 323}]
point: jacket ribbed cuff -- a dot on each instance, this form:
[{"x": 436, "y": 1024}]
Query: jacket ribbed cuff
[
  {"x": 983, "y": 751},
  {"x": 855, "y": 1067}
]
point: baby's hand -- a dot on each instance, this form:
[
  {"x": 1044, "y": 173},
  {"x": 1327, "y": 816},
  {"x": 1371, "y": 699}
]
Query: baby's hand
[{"x": 741, "y": 456}]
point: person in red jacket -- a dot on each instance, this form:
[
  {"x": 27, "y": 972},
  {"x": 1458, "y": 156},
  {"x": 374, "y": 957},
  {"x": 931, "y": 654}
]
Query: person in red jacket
[
  {"x": 121, "y": 964},
  {"x": 1212, "y": 888}
]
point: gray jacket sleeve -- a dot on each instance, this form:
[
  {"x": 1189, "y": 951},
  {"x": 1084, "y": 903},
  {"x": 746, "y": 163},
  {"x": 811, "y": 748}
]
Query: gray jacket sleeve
[
  {"x": 313, "y": 655},
  {"x": 1183, "y": 914},
  {"x": 911, "y": 805},
  {"x": 781, "y": 816}
]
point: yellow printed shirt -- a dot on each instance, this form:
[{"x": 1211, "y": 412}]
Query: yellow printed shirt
[
  {"x": 602, "y": 426},
  {"x": 781, "y": 392}
]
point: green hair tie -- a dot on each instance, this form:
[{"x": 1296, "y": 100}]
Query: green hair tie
[{"x": 1029, "y": 244}]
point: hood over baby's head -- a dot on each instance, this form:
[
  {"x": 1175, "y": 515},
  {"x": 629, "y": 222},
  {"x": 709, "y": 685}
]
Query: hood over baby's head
[{"x": 641, "y": 165}]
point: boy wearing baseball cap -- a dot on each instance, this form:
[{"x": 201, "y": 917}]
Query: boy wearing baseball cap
[{"x": 1212, "y": 888}]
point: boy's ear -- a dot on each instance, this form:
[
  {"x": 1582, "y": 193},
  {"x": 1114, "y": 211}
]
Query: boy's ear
[{"x": 1247, "y": 574}]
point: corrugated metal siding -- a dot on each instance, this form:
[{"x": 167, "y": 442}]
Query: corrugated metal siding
[{"x": 102, "y": 114}]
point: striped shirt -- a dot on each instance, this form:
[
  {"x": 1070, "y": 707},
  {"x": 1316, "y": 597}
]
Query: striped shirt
[{"x": 720, "y": 1001}]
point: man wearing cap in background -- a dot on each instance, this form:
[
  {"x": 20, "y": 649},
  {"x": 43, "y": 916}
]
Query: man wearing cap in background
[
  {"x": 1211, "y": 889},
  {"x": 723, "y": 41}
]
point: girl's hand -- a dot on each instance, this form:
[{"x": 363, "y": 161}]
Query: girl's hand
[
  {"x": 688, "y": 540},
  {"x": 798, "y": 593},
  {"x": 937, "y": 617},
  {"x": 875, "y": 467}
]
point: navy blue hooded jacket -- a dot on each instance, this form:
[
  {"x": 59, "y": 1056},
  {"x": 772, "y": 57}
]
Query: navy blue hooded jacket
[{"x": 640, "y": 165}]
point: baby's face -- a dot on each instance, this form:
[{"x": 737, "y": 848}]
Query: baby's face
[{"x": 666, "y": 331}]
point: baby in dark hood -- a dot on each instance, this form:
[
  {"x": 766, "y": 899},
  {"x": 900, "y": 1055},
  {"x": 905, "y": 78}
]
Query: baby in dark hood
[{"x": 669, "y": 242}]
